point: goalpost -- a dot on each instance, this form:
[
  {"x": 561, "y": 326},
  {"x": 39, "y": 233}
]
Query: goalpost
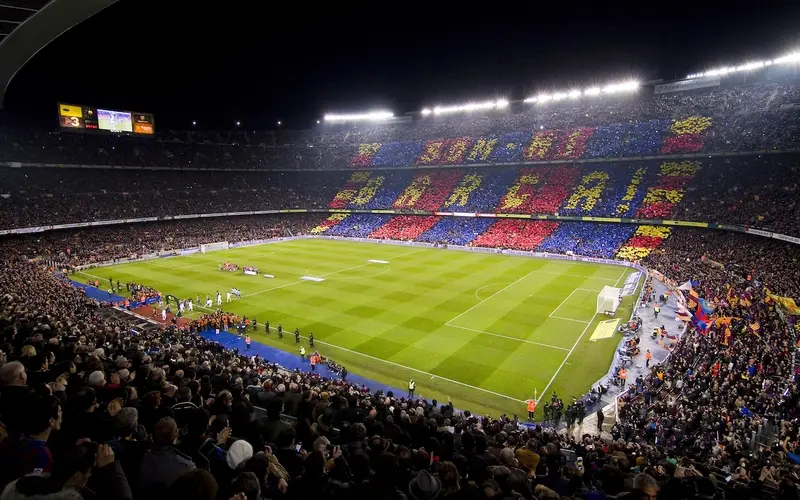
[
  {"x": 608, "y": 300},
  {"x": 210, "y": 247}
]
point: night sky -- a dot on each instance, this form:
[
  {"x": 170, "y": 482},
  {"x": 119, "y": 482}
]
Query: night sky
[{"x": 222, "y": 61}]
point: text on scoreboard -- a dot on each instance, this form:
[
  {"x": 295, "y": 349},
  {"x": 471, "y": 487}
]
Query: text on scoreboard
[{"x": 91, "y": 118}]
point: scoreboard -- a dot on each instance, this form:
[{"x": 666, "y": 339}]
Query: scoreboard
[{"x": 71, "y": 116}]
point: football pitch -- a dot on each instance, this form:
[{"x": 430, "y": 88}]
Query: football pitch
[{"x": 486, "y": 330}]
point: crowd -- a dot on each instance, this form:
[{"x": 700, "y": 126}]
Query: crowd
[
  {"x": 90, "y": 407},
  {"x": 727, "y": 395},
  {"x": 108, "y": 243},
  {"x": 756, "y": 116},
  {"x": 749, "y": 190},
  {"x": 46, "y": 196}
]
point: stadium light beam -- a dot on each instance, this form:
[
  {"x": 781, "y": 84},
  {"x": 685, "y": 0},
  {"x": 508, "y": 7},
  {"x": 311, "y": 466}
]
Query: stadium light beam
[
  {"x": 359, "y": 117},
  {"x": 626, "y": 86},
  {"x": 791, "y": 58},
  {"x": 467, "y": 107}
]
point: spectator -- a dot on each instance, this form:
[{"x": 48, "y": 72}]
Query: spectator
[{"x": 164, "y": 464}]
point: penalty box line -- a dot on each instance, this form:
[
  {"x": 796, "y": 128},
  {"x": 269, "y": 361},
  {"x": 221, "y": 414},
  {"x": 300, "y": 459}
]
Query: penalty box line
[
  {"x": 484, "y": 332},
  {"x": 432, "y": 375},
  {"x": 574, "y": 346},
  {"x": 553, "y": 314}
]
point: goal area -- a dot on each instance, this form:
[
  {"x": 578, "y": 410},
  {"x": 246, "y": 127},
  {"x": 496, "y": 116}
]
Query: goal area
[
  {"x": 608, "y": 300},
  {"x": 210, "y": 247}
]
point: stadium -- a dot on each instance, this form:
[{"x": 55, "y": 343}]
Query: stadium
[{"x": 587, "y": 292}]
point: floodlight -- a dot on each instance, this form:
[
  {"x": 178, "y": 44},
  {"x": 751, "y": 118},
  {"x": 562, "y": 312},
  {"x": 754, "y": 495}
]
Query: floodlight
[
  {"x": 369, "y": 116},
  {"x": 470, "y": 106},
  {"x": 791, "y": 58}
]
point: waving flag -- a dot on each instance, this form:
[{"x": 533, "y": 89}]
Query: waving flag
[
  {"x": 727, "y": 338},
  {"x": 693, "y": 297},
  {"x": 724, "y": 320},
  {"x": 705, "y": 306}
]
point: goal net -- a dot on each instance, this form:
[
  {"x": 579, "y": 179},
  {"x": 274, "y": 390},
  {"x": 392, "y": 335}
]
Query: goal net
[
  {"x": 210, "y": 247},
  {"x": 608, "y": 300}
]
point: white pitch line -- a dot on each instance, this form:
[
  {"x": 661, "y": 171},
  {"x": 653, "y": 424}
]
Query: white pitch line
[
  {"x": 487, "y": 286},
  {"x": 510, "y": 338},
  {"x": 93, "y": 275},
  {"x": 490, "y": 296},
  {"x": 577, "y": 276},
  {"x": 274, "y": 288},
  {"x": 432, "y": 375},
  {"x": 205, "y": 263},
  {"x": 544, "y": 392},
  {"x": 568, "y": 319},
  {"x": 562, "y": 303},
  {"x": 621, "y": 276}
]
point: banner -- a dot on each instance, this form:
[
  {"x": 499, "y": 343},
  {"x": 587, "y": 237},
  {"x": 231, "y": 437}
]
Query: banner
[
  {"x": 684, "y": 223},
  {"x": 783, "y": 237},
  {"x": 759, "y": 232},
  {"x": 600, "y": 219},
  {"x": 690, "y": 84}
]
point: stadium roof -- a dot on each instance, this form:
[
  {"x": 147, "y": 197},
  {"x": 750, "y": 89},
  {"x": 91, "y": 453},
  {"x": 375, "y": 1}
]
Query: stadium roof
[{"x": 27, "y": 26}]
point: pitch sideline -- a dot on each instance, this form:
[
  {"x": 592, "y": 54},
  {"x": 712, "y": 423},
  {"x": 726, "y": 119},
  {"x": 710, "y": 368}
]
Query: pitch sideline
[
  {"x": 575, "y": 345},
  {"x": 432, "y": 375}
]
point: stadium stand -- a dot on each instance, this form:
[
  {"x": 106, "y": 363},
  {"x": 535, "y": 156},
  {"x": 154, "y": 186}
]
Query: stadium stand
[
  {"x": 748, "y": 191},
  {"x": 90, "y": 400}
]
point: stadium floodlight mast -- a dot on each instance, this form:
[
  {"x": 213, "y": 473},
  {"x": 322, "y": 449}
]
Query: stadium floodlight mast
[
  {"x": 359, "y": 117},
  {"x": 462, "y": 108},
  {"x": 792, "y": 58},
  {"x": 613, "y": 88}
]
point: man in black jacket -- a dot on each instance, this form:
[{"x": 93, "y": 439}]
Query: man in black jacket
[{"x": 162, "y": 465}]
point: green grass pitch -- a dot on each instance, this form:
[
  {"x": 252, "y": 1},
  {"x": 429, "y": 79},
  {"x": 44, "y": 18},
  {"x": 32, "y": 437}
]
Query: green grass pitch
[{"x": 486, "y": 330}]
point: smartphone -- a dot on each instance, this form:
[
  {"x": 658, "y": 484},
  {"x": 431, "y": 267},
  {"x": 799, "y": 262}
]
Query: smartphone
[{"x": 297, "y": 448}]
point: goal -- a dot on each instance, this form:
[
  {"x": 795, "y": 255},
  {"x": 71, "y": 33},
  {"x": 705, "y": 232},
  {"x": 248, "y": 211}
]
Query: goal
[
  {"x": 210, "y": 247},
  {"x": 608, "y": 300}
]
